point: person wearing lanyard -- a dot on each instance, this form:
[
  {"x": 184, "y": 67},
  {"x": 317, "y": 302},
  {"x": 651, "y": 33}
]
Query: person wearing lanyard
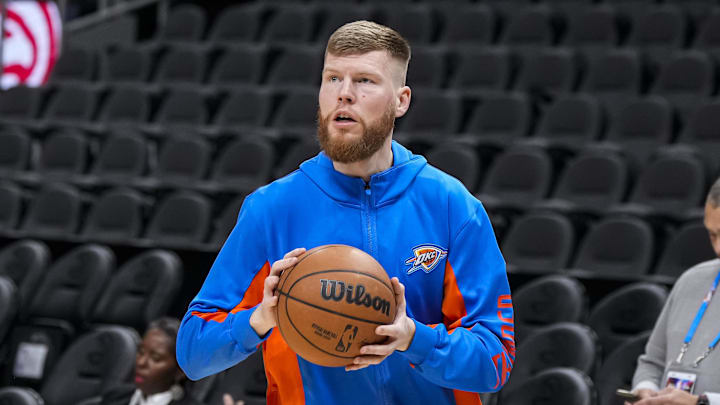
[{"x": 680, "y": 365}]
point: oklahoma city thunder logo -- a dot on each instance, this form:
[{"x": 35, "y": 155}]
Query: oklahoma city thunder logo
[{"x": 426, "y": 258}]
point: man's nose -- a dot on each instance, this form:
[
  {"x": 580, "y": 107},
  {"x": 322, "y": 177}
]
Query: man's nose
[{"x": 347, "y": 92}]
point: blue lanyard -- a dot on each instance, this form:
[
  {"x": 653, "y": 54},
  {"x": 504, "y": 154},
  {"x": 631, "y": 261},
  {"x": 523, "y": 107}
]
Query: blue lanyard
[{"x": 696, "y": 322}]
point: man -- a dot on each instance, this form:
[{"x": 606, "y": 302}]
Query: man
[
  {"x": 453, "y": 333},
  {"x": 679, "y": 366}
]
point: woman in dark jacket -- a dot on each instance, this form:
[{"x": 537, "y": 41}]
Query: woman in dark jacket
[{"x": 158, "y": 378}]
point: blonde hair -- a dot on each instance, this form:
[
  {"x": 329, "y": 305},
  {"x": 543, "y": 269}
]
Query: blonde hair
[{"x": 361, "y": 37}]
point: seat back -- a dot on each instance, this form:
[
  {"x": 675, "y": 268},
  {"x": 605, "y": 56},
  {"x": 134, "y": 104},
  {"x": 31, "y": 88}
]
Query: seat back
[
  {"x": 94, "y": 362},
  {"x": 624, "y": 313},
  {"x": 24, "y": 262}
]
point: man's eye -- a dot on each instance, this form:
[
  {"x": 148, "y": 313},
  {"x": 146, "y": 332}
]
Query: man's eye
[
  {"x": 365, "y": 80},
  {"x": 333, "y": 78}
]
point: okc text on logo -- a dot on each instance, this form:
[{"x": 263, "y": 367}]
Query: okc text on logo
[{"x": 426, "y": 258}]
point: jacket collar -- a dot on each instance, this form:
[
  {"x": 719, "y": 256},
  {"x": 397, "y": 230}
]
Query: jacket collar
[{"x": 385, "y": 186}]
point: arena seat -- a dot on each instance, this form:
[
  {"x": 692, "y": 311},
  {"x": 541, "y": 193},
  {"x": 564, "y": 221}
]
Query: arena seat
[
  {"x": 570, "y": 122},
  {"x": 64, "y": 155},
  {"x": 126, "y": 65},
  {"x": 20, "y": 396},
  {"x": 141, "y": 290},
  {"x": 539, "y": 242},
  {"x": 517, "y": 178},
  {"x": 563, "y": 344},
  {"x": 616, "y": 247},
  {"x": 123, "y": 157},
  {"x": 688, "y": 246},
  {"x": 54, "y": 211},
  {"x": 239, "y": 65},
  {"x": 16, "y": 151},
  {"x": 621, "y": 315},
  {"x": 500, "y": 119},
  {"x": 548, "y": 300},
  {"x": 25, "y": 263},
  {"x": 180, "y": 219},
  {"x": 458, "y": 161},
  {"x": 9, "y": 305},
  {"x": 11, "y": 204},
  {"x": 686, "y": 80},
  {"x": 640, "y": 127},
  {"x": 618, "y": 369},
  {"x": 95, "y": 361},
  {"x": 592, "y": 181},
  {"x": 181, "y": 160},
  {"x": 557, "y": 385},
  {"x": 236, "y": 24},
  {"x": 466, "y": 24},
  {"x": 244, "y": 164},
  {"x": 482, "y": 70},
  {"x": 117, "y": 215}
]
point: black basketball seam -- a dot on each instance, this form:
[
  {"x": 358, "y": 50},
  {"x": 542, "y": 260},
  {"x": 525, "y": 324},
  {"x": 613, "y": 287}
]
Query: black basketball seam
[
  {"x": 299, "y": 261},
  {"x": 329, "y": 310},
  {"x": 338, "y": 271}
]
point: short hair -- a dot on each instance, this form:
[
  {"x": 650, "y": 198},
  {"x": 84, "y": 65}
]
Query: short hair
[
  {"x": 713, "y": 197},
  {"x": 169, "y": 326},
  {"x": 362, "y": 36}
]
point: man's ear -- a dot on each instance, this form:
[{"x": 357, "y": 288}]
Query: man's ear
[{"x": 404, "y": 94}]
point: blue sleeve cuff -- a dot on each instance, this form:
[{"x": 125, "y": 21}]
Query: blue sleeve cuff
[
  {"x": 243, "y": 333},
  {"x": 423, "y": 342}
]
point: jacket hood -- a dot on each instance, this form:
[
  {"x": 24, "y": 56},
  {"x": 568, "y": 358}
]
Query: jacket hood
[{"x": 385, "y": 186}]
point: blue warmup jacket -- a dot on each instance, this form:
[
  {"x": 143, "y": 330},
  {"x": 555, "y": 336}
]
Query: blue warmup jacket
[{"x": 423, "y": 227}]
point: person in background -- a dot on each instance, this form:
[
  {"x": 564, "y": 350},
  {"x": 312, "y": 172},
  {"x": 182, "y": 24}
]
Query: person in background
[
  {"x": 680, "y": 365},
  {"x": 158, "y": 379}
]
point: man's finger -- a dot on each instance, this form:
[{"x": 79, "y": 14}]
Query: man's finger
[
  {"x": 281, "y": 265},
  {"x": 294, "y": 253},
  {"x": 387, "y": 330},
  {"x": 379, "y": 350}
]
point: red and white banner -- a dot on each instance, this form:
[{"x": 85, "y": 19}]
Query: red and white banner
[{"x": 32, "y": 35}]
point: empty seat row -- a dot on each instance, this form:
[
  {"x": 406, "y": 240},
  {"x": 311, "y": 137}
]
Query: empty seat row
[
  {"x": 121, "y": 215},
  {"x": 588, "y": 25},
  {"x": 468, "y": 69},
  {"x": 614, "y": 247},
  {"x": 638, "y": 124},
  {"x": 593, "y": 181},
  {"x": 126, "y": 157}
]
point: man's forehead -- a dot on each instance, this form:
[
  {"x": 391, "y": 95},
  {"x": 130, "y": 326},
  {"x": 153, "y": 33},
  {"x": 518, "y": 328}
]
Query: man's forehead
[{"x": 380, "y": 60}]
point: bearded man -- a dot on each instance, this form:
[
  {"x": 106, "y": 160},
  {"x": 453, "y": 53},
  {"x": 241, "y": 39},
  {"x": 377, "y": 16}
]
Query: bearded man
[{"x": 453, "y": 335}]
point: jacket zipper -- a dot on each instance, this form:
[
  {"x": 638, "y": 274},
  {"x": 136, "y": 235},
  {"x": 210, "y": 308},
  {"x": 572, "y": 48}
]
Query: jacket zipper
[{"x": 381, "y": 371}]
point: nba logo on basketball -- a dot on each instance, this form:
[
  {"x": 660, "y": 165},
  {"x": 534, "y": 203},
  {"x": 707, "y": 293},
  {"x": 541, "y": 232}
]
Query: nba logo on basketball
[
  {"x": 346, "y": 338},
  {"x": 426, "y": 257}
]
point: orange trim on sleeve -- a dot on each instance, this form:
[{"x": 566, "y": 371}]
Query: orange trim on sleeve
[
  {"x": 284, "y": 381},
  {"x": 466, "y": 398},
  {"x": 253, "y": 296},
  {"x": 453, "y": 305}
]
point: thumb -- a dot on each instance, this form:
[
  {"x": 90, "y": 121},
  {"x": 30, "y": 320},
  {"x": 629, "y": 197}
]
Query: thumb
[{"x": 227, "y": 399}]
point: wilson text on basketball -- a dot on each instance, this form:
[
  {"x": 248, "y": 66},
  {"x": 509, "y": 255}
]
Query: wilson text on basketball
[{"x": 337, "y": 290}]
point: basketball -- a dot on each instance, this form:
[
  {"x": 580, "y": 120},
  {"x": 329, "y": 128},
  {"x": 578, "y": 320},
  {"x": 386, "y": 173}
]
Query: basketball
[{"x": 330, "y": 303}]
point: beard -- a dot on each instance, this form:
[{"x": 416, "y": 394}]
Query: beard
[{"x": 345, "y": 149}]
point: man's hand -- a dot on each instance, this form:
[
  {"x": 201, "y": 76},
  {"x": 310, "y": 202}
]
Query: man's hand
[
  {"x": 642, "y": 393},
  {"x": 400, "y": 333},
  {"x": 264, "y": 318},
  {"x": 669, "y": 396}
]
